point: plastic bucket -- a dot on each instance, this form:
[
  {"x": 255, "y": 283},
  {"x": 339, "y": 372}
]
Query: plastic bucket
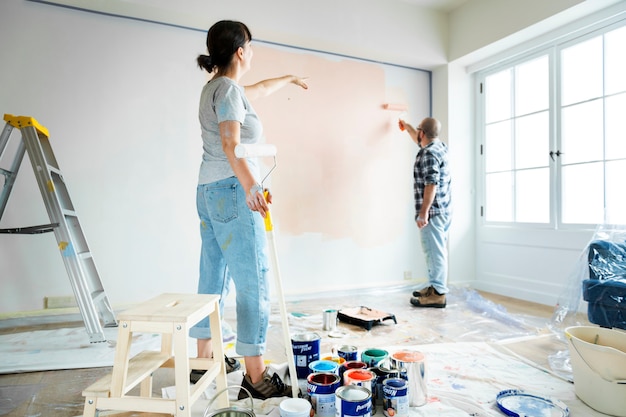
[{"x": 598, "y": 358}]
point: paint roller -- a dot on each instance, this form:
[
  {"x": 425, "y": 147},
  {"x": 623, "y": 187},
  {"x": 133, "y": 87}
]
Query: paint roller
[
  {"x": 256, "y": 150},
  {"x": 260, "y": 150},
  {"x": 402, "y": 108}
]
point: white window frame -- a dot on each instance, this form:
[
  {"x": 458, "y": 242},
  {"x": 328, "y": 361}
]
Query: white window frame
[{"x": 553, "y": 50}]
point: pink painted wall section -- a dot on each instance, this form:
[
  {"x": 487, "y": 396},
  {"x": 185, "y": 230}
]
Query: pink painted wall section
[{"x": 343, "y": 169}]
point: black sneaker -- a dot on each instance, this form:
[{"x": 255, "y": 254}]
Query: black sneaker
[
  {"x": 232, "y": 365},
  {"x": 267, "y": 387}
]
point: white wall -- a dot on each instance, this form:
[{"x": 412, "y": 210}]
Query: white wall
[
  {"x": 119, "y": 97},
  {"x": 92, "y": 101}
]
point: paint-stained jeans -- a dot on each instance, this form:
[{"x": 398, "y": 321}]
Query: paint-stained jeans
[
  {"x": 434, "y": 243},
  {"x": 234, "y": 247}
]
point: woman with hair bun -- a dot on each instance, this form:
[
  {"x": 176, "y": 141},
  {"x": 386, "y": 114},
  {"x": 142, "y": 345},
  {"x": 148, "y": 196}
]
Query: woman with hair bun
[{"x": 231, "y": 204}]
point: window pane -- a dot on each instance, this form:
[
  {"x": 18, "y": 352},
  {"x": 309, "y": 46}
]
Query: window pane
[
  {"x": 615, "y": 119},
  {"x": 615, "y": 198},
  {"x": 532, "y": 198},
  {"x": 498, "y": 147},
  {"x": 615, "y": 61},
  {"x": 498, "y": 96},
  {"x": 581, "y": 133},
  {"x": 499, "y": 193},
  {"x": 532, "y": 141},
  {"x": 532, "y": 86},
  {"x": 582, "y": 194},
  {"x": 581, "y": 71}
]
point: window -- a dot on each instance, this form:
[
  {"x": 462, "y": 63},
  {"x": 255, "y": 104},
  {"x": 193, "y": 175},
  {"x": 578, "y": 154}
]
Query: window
[{"x": 554, "y": 152}]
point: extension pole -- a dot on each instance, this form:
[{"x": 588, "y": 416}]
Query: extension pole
[
  {"x": 260, "y": 150},
  {"x": 269, "y": 228}
]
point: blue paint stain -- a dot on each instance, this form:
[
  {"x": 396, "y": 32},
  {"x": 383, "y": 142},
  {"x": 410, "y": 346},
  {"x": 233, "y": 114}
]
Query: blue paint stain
[
  {"x": 68, "y": 251},
  {"x": 458, "y": 387}
]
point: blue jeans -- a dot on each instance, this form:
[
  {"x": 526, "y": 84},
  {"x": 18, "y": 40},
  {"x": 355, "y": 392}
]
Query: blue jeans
[
  {"x": 234, "y": 247},
  {"x": 434, "y": 238}
]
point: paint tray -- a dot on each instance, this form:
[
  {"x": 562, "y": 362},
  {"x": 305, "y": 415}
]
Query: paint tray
[{"x": 364, "y": 316}]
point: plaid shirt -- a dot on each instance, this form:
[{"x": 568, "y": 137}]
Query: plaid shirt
[{"x": 431, "y": 167}]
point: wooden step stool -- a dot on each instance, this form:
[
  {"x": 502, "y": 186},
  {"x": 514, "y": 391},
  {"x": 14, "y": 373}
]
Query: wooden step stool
[{"x": 172, "y": 315}]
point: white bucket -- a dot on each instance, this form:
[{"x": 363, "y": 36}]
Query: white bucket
[{"x": 598, "y": 357}]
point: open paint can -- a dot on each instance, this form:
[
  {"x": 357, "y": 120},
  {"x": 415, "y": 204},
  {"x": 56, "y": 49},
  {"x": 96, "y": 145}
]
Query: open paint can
[
  {"x": 412, "y": 367},
  {"x": 353, "y": 401},
  {"x": 363, "y": 378},
  {"x": 321, "y": 389}
]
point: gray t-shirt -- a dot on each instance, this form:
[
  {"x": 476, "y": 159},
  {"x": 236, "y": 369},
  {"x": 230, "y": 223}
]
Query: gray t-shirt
[{"x": 222, "y": 99}]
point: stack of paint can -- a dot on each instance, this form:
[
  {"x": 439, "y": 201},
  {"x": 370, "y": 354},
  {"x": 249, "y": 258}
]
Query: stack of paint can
[
  {"x": 363, "y": 378},
  {"x": 348, "y": 385}
]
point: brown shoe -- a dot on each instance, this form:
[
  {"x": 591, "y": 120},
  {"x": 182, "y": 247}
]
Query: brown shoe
[
  {"x": 421, "y": 293},
  {"x": 429, "y": 298}
]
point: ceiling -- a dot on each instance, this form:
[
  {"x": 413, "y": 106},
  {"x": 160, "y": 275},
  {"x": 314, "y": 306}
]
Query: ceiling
[{"x": 440, "y": 5}]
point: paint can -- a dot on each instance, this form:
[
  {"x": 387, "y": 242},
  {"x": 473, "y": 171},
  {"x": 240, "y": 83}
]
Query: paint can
[
  {"x": 330, "y": 320},
  {"x": 306, "y": 349},
  {"x": 321, "y": 389},
  {"x": 363, "y": 378},
  {"x": 412, "y": 367},
  {"x": 382, "y": 373},
  {"x": 395, "y": 397},
  {"x": 348, "y": 352},
  {"x": 337, "y": 359},
  {"x": 374, "y": 356},
  {"x": 351, "y": 365},
  {"x": 353, "y": 401},
  {"x": 294, "y": 407},
  {"x": 324, "y": 366}
]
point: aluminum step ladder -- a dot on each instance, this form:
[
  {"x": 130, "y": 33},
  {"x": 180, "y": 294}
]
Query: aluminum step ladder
[{"x": 88, "y": 290}]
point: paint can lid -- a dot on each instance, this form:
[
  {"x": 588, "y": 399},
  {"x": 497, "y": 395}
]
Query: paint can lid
[{"x": 514, "y": 402}]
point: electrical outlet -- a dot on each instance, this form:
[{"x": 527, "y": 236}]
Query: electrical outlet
[
  {"x": 408, "y": 275},
  {"x": 59, "y": 301}
]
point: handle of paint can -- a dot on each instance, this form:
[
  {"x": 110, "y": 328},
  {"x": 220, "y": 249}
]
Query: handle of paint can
[{"x": 217, "y": 395}]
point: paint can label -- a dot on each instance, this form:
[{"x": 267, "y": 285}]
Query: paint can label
[
  {"x": 353, "y": 401},
  {"x": 321, "y": 389},
  {"x": 306, "y": 349},
  {"x": 395, "y": 397}
]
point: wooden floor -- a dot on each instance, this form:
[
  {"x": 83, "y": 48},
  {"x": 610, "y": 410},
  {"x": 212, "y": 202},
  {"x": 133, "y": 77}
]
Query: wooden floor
[{"x": 58, "y": 393}]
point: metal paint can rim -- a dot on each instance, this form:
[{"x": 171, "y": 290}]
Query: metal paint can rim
[
  {"x": 362, "y": 393},
  {"x": 305, "y": 337}
]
